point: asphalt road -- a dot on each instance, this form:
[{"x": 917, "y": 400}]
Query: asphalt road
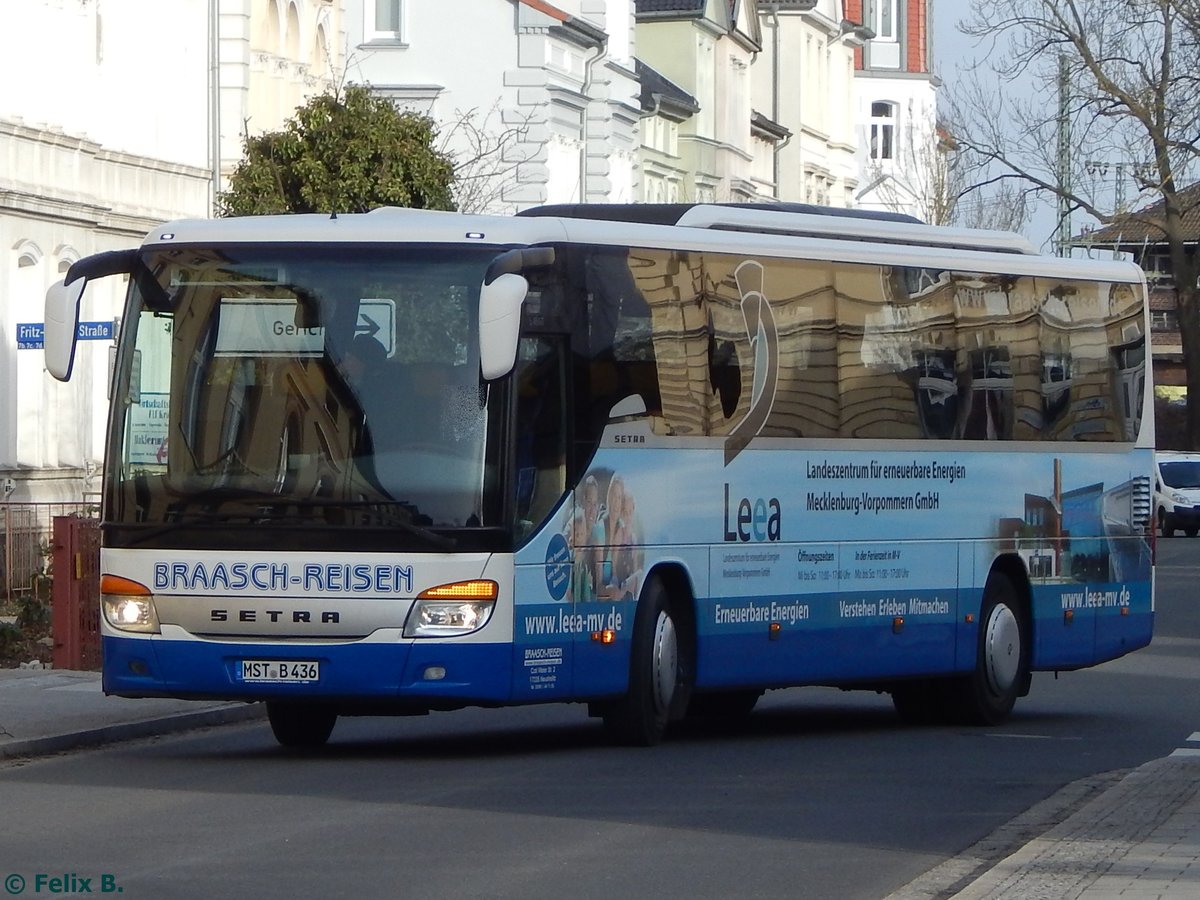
[{"x": 821, "y": 794}]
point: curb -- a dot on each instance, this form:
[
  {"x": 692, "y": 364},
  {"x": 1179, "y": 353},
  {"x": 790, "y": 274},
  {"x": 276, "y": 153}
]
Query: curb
[
  {"x": 1095, "y": 840},
  {"x": 977, "y": 862},
  {"x": 57, "y": 743}
]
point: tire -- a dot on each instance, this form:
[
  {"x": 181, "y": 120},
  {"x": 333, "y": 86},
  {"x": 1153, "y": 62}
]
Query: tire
[
  {"x": 300, "y": 725},
  {"x": 723, "y": 704},
  {"x": 1191, "y": 531},
  {"x": 1165, "y": 528},
  {"x": 987, "y": 695},
  {"x": 660, "y": 674}
]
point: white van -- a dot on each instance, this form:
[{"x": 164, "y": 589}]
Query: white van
[{"x": 1177, "y": 492}]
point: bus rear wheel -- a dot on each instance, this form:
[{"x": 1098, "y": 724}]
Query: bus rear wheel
[
  {"x": 1001, "y": 674},
  {"x": 300, "y": 725},
  {"x": 659, "y": 674}
]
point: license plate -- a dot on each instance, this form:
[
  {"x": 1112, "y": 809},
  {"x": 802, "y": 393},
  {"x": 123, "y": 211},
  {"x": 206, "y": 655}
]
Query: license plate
[{"x": 266, "y": 670}]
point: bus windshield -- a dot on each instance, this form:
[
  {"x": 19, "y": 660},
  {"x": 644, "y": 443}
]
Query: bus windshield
[{"x": 335, "y": 385}]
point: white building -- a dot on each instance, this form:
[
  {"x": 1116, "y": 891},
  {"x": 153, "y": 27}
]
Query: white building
[
  {"x": 537, "y": 101},
  {"x": 896, "y": 107},
  {"x": 97, "y": 148},
  {"x": 106, "y": 131},
  {"x": 804, "y": 81},
  {"x": 704, "y": 50},
  {"x": 274, "y": 56}
]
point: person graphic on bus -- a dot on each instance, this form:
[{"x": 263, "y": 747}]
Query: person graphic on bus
[
  {"x": 628, "y": 555},
  {"x": 618, "y": 563},
  {"x": 578, "y": 535}
]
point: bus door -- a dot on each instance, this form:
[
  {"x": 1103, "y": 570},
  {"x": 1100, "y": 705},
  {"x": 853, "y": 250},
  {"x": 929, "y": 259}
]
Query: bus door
[{"x": 545, "y": 620}]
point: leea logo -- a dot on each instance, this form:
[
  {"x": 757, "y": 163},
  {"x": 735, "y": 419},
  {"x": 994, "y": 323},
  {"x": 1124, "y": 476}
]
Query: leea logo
[{"x": 754, "y": 520}]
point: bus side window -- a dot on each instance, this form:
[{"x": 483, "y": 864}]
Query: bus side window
[{"x": 621, "y": 340}]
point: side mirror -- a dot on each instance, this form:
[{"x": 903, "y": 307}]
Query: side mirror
[
  {"x": 62, "y": 327},
  {"x": 500, "y": 324}
]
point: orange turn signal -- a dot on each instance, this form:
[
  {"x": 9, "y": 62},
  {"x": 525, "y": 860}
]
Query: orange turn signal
[
  {"x": 115, "y": 584},
  {"x": 477, "y": 589}
]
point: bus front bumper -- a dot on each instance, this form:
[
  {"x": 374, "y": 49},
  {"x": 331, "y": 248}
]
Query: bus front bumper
[{"x": 411, "y": 672}]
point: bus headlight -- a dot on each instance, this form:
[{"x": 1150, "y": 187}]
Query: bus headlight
[
  {"x": 452, "y": 609},
  {"x": 127, "y": 605}
]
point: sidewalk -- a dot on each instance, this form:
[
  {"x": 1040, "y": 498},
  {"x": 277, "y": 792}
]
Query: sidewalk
[
  {"x": 51, "y": 710},
  {"x": 1136, "y": 838}
]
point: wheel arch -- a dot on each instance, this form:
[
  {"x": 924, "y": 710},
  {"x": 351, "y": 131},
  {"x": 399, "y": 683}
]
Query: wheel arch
[{"x": 678, "y": 584}]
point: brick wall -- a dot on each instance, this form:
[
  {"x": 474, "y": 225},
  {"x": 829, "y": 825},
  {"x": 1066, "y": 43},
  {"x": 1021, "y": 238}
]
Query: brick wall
[
  {"x": 916, "y": 28},
  {"x": 917, "y": 19}
]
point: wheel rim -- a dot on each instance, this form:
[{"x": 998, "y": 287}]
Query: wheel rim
[
  {"x": 1002, "y": 649},
  {"x": 666, "y": 661}
]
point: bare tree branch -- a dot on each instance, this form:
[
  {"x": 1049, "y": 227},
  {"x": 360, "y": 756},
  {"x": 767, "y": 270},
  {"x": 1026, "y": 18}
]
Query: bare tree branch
[
  {"x": 486, "y": 152},
  {"x": 1132, "y": 85}
]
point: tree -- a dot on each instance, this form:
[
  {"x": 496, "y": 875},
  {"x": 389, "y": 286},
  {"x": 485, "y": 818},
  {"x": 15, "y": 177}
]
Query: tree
[
  {"x": 1113, "y": 80},
  {"x": 937, "y": 182},
  {"x": 346, "y": 151}
]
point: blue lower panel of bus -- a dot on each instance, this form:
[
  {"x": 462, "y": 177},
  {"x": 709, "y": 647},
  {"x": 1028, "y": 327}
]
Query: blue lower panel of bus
[
  {"x": 827, "y": 638},
  {"x": 434, "y": 672},
  {"x": 1082, "y": 624}
]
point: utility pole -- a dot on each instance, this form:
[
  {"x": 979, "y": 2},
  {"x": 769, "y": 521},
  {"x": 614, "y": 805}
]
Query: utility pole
[
  {"x": 1062, "y": 239},
  {"x": 1100, "y": 167},
  {"x": 214, "y": 97}
]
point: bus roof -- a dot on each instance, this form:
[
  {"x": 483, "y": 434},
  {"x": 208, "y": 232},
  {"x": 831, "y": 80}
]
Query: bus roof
[
  {"x": 847, "y": 236},
  {"x": 798, "y": 220}
]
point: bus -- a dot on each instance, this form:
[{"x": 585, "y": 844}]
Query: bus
[{"x": 653, "y": 459}]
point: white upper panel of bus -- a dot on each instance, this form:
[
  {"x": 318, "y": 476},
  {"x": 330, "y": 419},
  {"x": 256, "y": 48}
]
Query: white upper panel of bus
[{"x": 712, "y": 229}]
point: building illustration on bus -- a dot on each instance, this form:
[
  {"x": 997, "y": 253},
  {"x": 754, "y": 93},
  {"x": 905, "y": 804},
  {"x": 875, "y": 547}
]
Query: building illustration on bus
[{"x": 653, "y": 459}]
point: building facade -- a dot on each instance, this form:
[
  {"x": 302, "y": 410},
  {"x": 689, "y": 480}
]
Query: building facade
[
  {"x": 537, "y": 102},
  {"x": 804, "y": 81},
  {"x": 1138, "y": 234},
  {"x": 273, "y": 55},
  {"x": 896, "y": 106},
  {"x": 706, "y": 49},
  {"x": 97, "y": 150},
  {"x": 95, "y": 153}
]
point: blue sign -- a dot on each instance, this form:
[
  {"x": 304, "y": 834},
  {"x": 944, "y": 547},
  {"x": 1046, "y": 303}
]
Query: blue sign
[
  {"x": 32, "y": 335},
  {"x": 96, "y": 331}
]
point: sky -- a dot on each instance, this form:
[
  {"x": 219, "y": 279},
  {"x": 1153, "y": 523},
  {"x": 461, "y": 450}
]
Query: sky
[{"x": 952, "y": 50}]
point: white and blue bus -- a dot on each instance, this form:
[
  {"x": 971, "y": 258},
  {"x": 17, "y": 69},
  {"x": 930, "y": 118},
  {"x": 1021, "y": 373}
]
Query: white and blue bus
[{"x": 654, "y": 459}]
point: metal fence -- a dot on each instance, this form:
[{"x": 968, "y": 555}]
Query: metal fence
[{"x": 26, "y": 538}]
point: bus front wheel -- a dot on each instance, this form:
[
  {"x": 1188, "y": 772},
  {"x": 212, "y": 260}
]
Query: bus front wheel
[
  {"x": 1001, "y": 674},
  {"x": 300, "y": 725},
  {"x": 659, "y": 674}
]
